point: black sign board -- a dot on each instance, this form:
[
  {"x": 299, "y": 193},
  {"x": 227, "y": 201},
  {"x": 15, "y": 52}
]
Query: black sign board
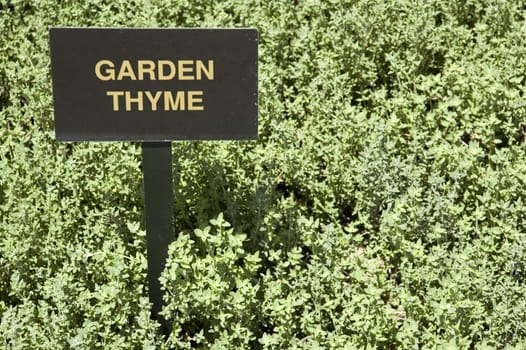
[{"x": 154, "y": 84}]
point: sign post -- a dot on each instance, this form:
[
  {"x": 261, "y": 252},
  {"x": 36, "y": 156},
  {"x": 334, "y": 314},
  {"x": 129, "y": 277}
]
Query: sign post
[
  {"x": 155, "y": 86},
  {"x": 158, "y": 208}
]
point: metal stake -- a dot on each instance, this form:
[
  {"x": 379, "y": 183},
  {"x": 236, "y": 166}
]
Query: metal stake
[{"x": 159, "y": 215}]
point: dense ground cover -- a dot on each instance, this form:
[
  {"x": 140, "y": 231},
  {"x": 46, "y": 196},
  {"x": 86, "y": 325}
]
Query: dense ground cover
[{"x": 381, "y": 207}]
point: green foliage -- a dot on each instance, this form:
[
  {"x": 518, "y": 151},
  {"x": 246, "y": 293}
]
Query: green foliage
[{"x": 381, "y": 207}]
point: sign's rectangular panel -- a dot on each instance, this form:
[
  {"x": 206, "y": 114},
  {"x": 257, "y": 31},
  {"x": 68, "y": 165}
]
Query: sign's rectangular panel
[{"x": 154, "y": 84}]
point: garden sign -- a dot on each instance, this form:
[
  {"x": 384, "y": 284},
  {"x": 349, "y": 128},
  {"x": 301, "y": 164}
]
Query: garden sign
[{"x": 155, "y": 86}]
